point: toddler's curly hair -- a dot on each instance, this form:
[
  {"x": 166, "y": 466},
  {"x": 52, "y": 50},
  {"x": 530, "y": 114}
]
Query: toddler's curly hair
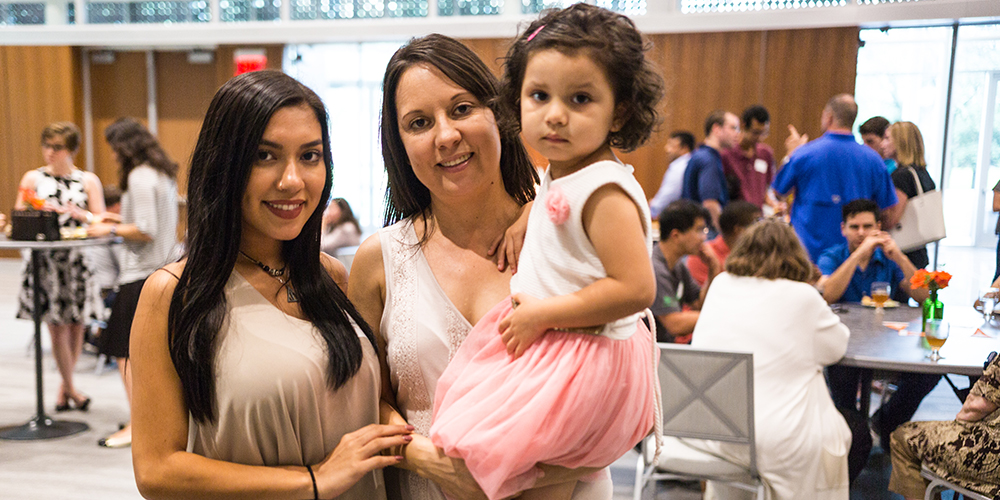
[{"x": 612, "y": 41}]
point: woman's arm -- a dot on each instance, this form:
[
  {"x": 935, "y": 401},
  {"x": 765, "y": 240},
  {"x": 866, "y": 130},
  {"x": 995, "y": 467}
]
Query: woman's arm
[
  {"x": 163, "y": 467},
  {"x": 832, "y": 335},
  {"x": 975, "y": 408},
  {"x": 142, "y": 193},
  {"x": 95, "y": 196},
  {"x": 984, "y": 398},
  {"x": 891, "y": 215},
  {"x": 615, "y": 228},
  {"x": 28, "y": 181},
  {"x": 367, "y": 291}
]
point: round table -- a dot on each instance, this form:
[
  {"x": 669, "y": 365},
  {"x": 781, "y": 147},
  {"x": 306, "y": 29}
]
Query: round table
[{"x": 41, "y": 426}]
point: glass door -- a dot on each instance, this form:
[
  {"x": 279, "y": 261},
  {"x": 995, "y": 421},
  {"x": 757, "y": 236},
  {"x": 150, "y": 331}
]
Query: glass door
[{"x": 988, "y": 163}]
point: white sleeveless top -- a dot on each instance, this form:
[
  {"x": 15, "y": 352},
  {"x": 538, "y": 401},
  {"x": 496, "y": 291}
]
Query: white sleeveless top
[
  {"x": 557, "y": 257},
  {"x": 274, "y": 405},
  {"x": 422, "y": 330}
]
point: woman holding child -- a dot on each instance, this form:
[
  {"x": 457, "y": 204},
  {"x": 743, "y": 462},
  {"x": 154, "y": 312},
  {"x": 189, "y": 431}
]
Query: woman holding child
[{"x": 457, "y": 182}]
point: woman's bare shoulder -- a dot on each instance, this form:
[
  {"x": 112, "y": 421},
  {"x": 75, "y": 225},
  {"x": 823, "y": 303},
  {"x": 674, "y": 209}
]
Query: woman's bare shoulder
[
  {"x": 91, "y": 179},
  {"x": 334, "y": 268},
  {"x": 29, "y": 178},
  {"x": 368, "y": 258},
  {"x": 165, "y": 277}
]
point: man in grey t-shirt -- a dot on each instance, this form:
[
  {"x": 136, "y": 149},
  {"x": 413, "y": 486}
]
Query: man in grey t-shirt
[{"x": 683, "y": 228}]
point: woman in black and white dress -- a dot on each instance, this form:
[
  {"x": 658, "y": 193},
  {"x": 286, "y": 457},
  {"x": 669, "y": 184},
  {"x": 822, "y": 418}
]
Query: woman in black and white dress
[{"x": 69, "y": 298}]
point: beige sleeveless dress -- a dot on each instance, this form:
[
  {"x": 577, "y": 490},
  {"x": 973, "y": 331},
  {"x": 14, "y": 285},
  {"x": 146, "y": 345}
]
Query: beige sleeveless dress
[{"x": 274, "y": 405}]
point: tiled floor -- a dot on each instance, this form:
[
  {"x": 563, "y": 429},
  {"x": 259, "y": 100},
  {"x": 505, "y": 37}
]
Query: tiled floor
[{"x": 74, "y": 467}]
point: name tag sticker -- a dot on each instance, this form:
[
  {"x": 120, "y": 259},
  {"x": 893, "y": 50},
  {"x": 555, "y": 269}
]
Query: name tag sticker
[{"x": 760, "y": 166}]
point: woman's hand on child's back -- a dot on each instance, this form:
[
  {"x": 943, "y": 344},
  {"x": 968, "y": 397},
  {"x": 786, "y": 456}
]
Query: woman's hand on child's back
[
  {"x": 507, "y": 246},
  {"x": 523, "y": 326}
]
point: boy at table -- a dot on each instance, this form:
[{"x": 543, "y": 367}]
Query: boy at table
[{"x": 870, "y": 255}]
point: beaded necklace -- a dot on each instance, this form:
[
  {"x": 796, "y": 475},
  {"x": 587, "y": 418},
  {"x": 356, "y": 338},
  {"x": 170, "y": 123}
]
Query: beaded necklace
[{"x": 277, "y": 274}]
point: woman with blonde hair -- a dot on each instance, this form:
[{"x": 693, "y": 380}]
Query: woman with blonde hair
[
  {"x": 765, "y": 303},
  {"x": 904, "y": 144}
]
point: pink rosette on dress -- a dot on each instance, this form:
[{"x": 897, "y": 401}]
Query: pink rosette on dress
[{"x": 556, "y": 206}]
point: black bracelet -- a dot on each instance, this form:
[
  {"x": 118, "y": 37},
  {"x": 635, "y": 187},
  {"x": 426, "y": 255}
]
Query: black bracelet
[{"x": 313, "y": 476}]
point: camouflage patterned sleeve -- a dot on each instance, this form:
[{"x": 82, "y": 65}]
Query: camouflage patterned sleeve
[{"x": 989, "y": 385}]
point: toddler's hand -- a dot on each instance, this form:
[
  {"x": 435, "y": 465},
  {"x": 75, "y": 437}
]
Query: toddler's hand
[{"x": 522, "y": 327}]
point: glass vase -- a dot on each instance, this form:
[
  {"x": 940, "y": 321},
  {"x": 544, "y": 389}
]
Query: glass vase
[{"x": 933, "y": 309}]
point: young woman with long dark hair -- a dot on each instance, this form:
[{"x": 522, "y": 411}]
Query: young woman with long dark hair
[{"x": 251, "y": 335}]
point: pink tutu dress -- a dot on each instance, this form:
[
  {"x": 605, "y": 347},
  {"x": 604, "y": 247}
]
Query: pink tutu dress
[{"x": 572, "y": 399}]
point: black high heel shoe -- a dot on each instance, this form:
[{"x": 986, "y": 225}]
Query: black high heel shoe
[
  {"x": 84, "y": 405},
  {"x": 63, "y": 407}
]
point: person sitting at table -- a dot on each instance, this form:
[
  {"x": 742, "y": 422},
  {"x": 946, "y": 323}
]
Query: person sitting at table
[
  {"x": 870, "y": 255},
  {"x": 683, "y": 226},
  {"x": 764, "y": 304},
  {"x": 965, "y": 451},
  {"x": 734, "y": 219}
]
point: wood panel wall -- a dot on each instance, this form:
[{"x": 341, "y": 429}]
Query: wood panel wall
[
  {"x": 791, "y": 72},
  {"x": 38, "y": 87}
]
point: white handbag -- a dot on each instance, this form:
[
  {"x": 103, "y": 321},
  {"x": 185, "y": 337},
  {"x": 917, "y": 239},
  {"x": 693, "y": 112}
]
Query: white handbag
[{"x": 922, "y": 221}]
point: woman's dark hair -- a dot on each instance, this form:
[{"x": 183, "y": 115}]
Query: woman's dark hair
[
  {"x": 346, "y": 214},
  {"x": 220, "y": 168},
  {"x": 770, "y": 249},
  {"x": 136, "y": 146},
  {"x": 610, "y": 40},
  {"x": 405, "y": 195}
]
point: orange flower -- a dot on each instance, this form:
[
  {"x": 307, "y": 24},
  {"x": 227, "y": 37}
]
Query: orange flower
[
  {"x": 934, "y": 280},
  {"x": 31, "y": 198},
  {"x": 919, "y": 279}
]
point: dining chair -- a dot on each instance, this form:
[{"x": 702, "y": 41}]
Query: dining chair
[
  {"x": 708, "y": 396},
  {"x": 939, "y": 484}
]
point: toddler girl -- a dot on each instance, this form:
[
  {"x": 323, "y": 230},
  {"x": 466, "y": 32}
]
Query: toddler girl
[{"x": 563, "y": 373}]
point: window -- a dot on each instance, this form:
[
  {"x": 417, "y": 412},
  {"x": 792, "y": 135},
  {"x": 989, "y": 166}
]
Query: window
[
  {"x": 627, "y": 7},
  {"x": 22, "y": 13},
  {"x": 348, "y": 77},
  {"x": 903, "y": 75},
  {"x": 469, "y": 7},
  {"x": 194, "y": 11},
  {"x": 249, "y": 10}
]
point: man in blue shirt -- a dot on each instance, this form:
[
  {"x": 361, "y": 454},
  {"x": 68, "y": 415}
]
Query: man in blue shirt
[
  {"x": 870, "y": 255},
  {"x": 829, "y": 172},
  {"x": 704, "y": 179}
]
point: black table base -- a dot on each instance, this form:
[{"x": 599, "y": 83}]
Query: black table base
[{"x": 42, "y": 428}]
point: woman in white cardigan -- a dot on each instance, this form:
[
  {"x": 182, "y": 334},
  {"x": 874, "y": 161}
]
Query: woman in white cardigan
[{"x": 764, "y": 304}]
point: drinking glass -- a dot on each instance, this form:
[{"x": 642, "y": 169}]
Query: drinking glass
[
  {"x": 880, "y": 294},
  {"x": 988, "y": 301},
  {"x": 936, "y": 334}
]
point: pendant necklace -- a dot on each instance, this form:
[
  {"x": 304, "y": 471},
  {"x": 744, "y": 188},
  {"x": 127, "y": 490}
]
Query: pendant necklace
[{"x": 277, "y": 274}]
